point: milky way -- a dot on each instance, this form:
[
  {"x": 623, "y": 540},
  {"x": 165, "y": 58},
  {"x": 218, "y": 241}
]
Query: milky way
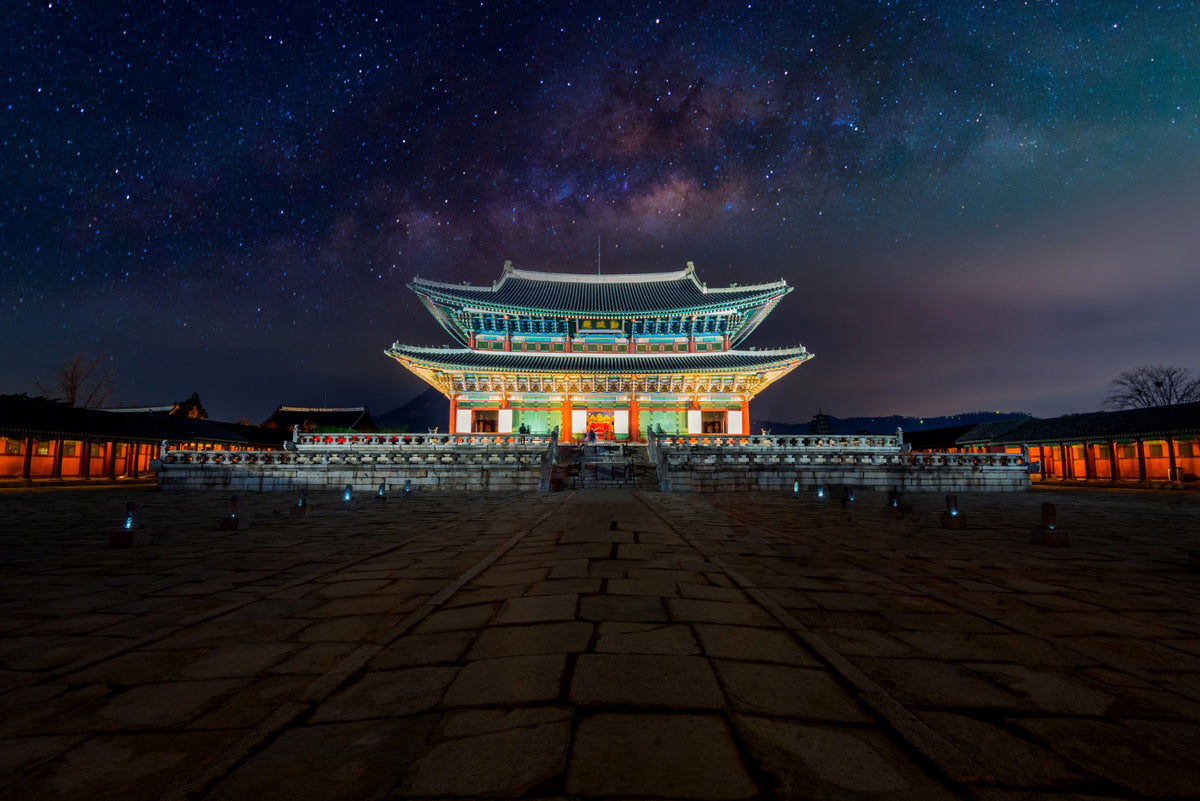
[{"x": 982, "y": 205}]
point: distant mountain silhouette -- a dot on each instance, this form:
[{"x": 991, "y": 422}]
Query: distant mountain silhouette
[
  {"x": 428, "y": 410},
  {"x": 885, "y": 425}
]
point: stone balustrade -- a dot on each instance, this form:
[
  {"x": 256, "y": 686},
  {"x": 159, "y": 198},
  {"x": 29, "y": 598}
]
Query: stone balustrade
[
  {"x": 423, "y": 461},
  {"x": 503, "y": 462},
  {"x": 722, "y": 462},
  {"x": 326, "y": 442},
  {"x": 789, "y": 441}
]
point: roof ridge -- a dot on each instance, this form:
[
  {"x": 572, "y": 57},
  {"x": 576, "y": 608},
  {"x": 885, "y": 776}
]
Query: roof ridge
[{"x": 611, "y": 278}]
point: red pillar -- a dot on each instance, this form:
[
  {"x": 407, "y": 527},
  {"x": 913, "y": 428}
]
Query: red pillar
[
  {"x": 1068, "y": 466},
  {"x": 110, "y": 457},
  {"x": 453, "y": 415},
  {"x": 27, "y": 463},
  {"x": 85, "y": 459},
  {"x": 634, "y": 431},
  {"x": 1114, "y": 466},
  {"x": 56, "y": 465},
  {"x": 1173, "y": 466},
  {"x": 745, "y": 415},
  {"x": 1141, "y": 454},
  {"x": 565, "y": 431},
  {"x": 1089, "y": 460}
]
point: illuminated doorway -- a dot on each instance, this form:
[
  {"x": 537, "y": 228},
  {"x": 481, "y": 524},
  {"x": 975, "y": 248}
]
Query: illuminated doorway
[{"x": 601, "y": 422}]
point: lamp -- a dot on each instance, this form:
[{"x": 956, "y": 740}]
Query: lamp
[
  {"x": 953, "y": 517},
  {"x": 132, "y": 531},
  {"x": 301, "y": 507},
  {"x": 234, "y": 520}
]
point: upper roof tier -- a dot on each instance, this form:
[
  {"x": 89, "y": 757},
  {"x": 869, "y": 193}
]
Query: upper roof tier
[{"x": 628, "y": 295}]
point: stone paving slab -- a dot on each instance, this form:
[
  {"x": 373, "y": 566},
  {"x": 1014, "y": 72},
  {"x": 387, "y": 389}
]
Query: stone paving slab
[{"x": 600, "y": 644}]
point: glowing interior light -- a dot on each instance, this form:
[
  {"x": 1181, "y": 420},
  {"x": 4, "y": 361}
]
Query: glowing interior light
[
  {"x": 820, "y": 492},
  {"x": 346, "y": 493},
  {"x": 128, "y": 521},
  {"x": 795, "y": 487},
  {"x": 954, "y": 513}
]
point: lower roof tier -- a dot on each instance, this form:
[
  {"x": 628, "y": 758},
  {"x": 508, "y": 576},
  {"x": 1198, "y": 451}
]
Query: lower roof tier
[{"x": 453, "y": 370}]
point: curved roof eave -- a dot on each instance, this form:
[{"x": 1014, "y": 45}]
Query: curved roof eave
[
  {"x": 562, "y": 293},
  {"x": 532, "y": 362}
]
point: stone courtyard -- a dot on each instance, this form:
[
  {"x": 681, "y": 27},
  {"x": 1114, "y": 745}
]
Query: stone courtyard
[{"x": 600, "y": 644}]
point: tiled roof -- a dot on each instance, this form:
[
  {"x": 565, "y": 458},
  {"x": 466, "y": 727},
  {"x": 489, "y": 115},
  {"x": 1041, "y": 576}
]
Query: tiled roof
[
  {"x": 526, "y": 362},
  {"x": 599, "y": 295},
  {"x": 1180, "y": 420},
  {"x": 21, "y": 416},
  {"x": 981, "y": 433}
]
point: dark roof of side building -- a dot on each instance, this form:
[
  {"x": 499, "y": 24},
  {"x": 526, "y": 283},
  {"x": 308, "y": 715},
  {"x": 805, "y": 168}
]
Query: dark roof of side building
[
  {"x": 22, "y": 416},
  {"x": 982, "y": 433},
  {"x": 936, "y": 439},
  {"x": 1161, "y": 421}
]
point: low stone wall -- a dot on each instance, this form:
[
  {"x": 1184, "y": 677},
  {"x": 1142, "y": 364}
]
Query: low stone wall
[
  {"x": 431, "y": 464},
  {"x": 505, "y": 463},
  {"x": 702, "y": 468}
]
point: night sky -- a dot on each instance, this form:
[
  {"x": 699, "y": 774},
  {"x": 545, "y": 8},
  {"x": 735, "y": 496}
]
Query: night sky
[{"x": 980, "y": 205}]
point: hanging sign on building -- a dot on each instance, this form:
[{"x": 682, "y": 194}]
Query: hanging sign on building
[{"x": 594, "y": 326}]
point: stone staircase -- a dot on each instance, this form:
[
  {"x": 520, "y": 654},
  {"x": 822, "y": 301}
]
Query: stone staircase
[{"x": 603, "y": 466}]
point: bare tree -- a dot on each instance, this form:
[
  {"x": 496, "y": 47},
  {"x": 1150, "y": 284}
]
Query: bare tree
[
  {"x": 1152, "y": 385},
  {"x": 79, "y": 382}
]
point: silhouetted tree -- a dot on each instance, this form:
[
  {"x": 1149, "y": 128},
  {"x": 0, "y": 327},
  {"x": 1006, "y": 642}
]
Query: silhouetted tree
[
  {"x": 192, "y": 408},
  {"x": 80, "y": 382},
  {"x": 1152, "y": 385}
]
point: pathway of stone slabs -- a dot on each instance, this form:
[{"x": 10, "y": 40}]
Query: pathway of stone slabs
[{"x": 602, "y": 644}]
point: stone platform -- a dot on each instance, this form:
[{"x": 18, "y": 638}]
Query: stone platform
[{"x": 600, "y": 644}]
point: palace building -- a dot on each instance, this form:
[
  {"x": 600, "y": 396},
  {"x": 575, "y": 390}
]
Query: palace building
[{"x": 613, "y": 354}]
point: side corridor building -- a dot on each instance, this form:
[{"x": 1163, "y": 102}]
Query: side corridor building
[{"x": 1157, "y": 444}]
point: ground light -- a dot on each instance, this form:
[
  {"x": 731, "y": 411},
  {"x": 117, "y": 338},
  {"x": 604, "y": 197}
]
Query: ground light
[{"x": 301, "y": 507}]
